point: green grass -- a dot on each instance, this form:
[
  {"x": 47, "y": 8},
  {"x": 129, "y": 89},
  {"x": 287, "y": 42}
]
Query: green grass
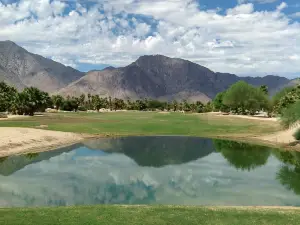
[
  {"x": 144, "y": 215},
  {"x": 145, "y": 123}
]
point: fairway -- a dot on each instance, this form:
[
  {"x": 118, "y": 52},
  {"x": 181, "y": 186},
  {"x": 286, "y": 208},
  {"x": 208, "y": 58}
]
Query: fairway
[
  {"x": 146, "y": 123},
  {"x": 162, "y": 215}
]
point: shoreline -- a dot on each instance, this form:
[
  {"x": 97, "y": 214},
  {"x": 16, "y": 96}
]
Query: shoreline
[
  {"x": 16, "y": 141},
  {"x": 57, "y": 139}
]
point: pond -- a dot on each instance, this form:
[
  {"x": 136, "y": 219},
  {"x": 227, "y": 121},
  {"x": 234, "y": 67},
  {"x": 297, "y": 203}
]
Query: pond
[{"x": 152, "y": 170}]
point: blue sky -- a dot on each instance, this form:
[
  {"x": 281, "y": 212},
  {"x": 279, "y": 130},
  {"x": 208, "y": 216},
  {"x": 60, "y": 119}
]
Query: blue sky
[{"x": 246, "y": 37}]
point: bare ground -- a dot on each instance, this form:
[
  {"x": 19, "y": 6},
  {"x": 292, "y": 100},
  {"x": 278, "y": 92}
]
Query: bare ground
[{"x": 24, "y": 140}]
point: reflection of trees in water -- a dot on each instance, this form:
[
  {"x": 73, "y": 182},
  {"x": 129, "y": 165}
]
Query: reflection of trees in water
[
  {"x": 12, "y": 164},
  {"x": 2, "y": 159},
  {"x": 156, "y": 151},
  {"x": 31, "y": 155},
  {"x": 242, "y": 155},
  {"x": 289, "y": 174}
]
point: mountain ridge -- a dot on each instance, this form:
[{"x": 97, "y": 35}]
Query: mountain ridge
[
  {"x": 164, "y": 78},
  {"x": 150, "y": 76},
  {"x": 22, "y": 68}
]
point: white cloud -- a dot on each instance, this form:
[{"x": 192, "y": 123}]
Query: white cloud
[
  {"x": 282, "y": 6},
  {"x": 242, "y": 41},
  {"x": 241, "y": 9}
]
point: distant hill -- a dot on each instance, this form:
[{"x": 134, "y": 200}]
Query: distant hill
[
  {"x": 161, "y": 77},
  {"x": 22, "y": 68},
  {"x": 150, "y": 76}
]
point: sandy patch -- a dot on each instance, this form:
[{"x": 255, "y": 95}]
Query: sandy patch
[
  {"x": 256, "y": 117},
  {"x": 284, "y": 137},
  {"x": 23, "y": 140}
]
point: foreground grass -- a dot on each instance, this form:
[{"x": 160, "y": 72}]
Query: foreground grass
[
  {"x": 171, "y": 215},
  {"x": 146, "y": 123}
]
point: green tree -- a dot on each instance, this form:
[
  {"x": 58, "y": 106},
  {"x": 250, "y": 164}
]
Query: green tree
[
  {"x": 7, "y": 94},
  {"x": 82, "y": 99},
  {"x": 175, "y": 105},
  {"x": 290, "y": 97},
  {"x": 29, "y": 101},
  {"x": 243, "y": 98},
  {"x": 291, "y": 114},
  {"x": 57, "y": 101},
  {"x": 218, "y": 104},
  {"x": 278, "y": 96},
  {"x": 264, "y": 89}
]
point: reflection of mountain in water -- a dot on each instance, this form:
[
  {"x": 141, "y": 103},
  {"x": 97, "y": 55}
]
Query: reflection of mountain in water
[
  {"x": 242, "y": 155},
  {"x": 289, "y": 173},
  {"x": 156, "y": 151},
  {"x": 9, "y": 165}
]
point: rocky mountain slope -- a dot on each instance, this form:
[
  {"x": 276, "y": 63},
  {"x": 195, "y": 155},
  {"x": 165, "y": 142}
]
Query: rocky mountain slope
[
  {"x": 152, "y": 76},
  {"x": 161, "y": 77},
  {"x": 22, "y": 68}
]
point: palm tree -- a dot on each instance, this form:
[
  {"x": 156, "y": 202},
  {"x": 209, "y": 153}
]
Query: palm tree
[
  {"x": 7, "y": 94},
  {"x": 82, "y": 99},
  {"x": 57, "y": 101}
]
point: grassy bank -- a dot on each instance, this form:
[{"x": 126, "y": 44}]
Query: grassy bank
[
  {"x": 146, "y": 123},
  {"x": 90, "y": 215}
]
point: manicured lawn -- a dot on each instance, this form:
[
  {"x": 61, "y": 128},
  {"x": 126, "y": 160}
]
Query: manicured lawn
[
  {"x": 132, "y": 215},
  {"x": 146, "y": 123}
]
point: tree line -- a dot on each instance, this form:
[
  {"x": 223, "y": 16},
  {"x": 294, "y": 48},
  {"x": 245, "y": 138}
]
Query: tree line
[
  {"x": 240, "y": 98},
  {"x": 32, "y": 100}
]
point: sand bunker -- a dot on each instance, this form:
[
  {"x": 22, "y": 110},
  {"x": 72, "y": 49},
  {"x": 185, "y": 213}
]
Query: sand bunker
[
  {"x": 284, "y": 137},
  {"x": 24, "y": 140}
]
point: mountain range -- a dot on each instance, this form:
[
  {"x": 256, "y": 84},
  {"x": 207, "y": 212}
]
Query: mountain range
[{"x": 150, "y": 76}]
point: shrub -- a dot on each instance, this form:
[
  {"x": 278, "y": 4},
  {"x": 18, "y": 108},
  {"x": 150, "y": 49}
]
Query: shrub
[{"x": 297, "y": 135}]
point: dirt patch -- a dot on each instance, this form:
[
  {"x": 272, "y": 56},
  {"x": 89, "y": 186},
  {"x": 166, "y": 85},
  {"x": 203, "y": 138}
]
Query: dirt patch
[
  {"x": 284, "y": 137},
  {"x": 24, "y": 140}
]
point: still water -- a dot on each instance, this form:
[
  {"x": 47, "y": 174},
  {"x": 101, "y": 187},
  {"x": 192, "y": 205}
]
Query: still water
[{"x": 152, "y": 170}]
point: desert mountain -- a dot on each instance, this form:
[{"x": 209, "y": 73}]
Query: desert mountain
[
  {"x": 22, "y": 68},
  {"x": 152, "y": 76},
  {"x": 161, "y": 77}
]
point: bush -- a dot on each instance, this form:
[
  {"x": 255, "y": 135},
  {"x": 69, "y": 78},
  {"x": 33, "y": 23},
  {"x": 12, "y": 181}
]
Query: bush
[
  {"x": 82, "y": 108},
  {"x": 297, "y": 135}
]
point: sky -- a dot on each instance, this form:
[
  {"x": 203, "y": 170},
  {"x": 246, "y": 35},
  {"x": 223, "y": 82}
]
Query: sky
[{"x": 245, "y": 37}]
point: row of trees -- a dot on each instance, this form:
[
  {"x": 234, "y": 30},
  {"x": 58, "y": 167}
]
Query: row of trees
[
  {"x": 32, "y": 100},
  {"x": 240, "y": 98}
]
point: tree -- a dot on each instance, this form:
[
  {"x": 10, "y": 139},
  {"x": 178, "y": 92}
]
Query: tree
[
  {"x": 218, "y": 104},
  {"x": 287, "y": 98},
  {"x": 57, "y": 101},
  {"x": 243, "y": 98},
  {"x": 278, "y": 96},
  {"x": 291, "y": 114},
  {"x": 7, "y": 94},
  {"x": 264, "y": 89},
  {"x": 82, "y": 99},
  {"x": 199, "y": 107},
  {"x": 29, "y": 101},
  {"x": 208, "y": 107},
  {"x": 175, "y": 105}
]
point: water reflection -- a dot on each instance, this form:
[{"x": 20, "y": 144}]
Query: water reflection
[
  {"x": 289, "y": 173},
  {"x": 156, "y": 151},
  {"x": 9, "y": 165},
  {"x": 243, "y": 156},
  {"x": 152, "y": 170}
]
